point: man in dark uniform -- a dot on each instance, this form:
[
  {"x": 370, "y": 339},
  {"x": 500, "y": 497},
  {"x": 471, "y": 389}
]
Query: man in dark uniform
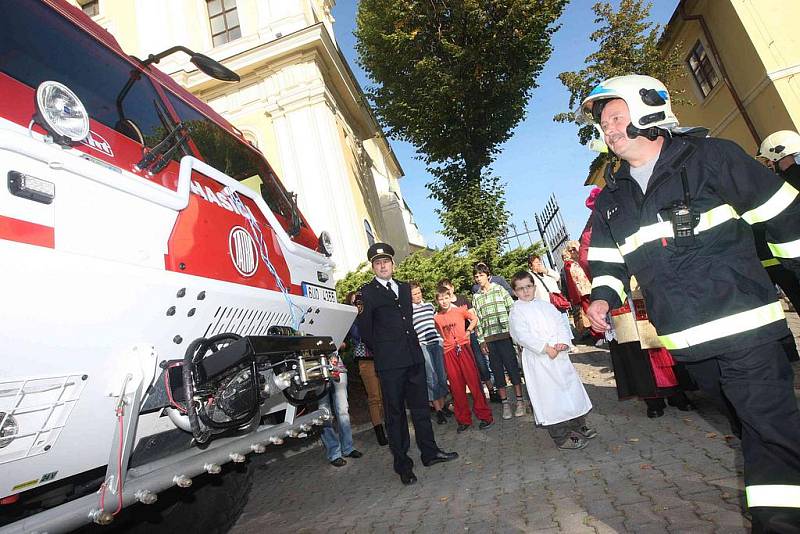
[
  {"x": 677, "y": 215},
  {"x": 386, "y": 328}
]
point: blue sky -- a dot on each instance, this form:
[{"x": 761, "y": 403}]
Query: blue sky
[{"x": 543, "y": 157}]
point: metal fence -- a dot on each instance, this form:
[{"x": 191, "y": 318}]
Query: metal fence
[{"x": 553, "y": 231}]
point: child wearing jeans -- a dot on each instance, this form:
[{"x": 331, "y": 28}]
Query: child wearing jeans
[
  {"x": 431, "y": 343},
  {"x": 459, "y": 361},
  {"x": 559, "y": 400}
]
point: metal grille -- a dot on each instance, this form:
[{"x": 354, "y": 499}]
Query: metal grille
[
  {"x": 245, "y": 321},
  {"x": 553, "y": 231},
  {"x": 41, "y": 408}
]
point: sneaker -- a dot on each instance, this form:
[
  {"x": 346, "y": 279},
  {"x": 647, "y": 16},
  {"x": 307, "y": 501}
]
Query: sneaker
[
  {"x": 519, "y": 409},
  {"x": 483, "y": 425},
  {"x": 506, "y": 410},
  {"x": 461, "y": 428},
  {"x": 494, "y": 396},
  {"x": 574, "y": 442},
  {"x": 339, "y": 462},
  {"x": 586, "y": 432},
  {"x": 441, "y": 418}
]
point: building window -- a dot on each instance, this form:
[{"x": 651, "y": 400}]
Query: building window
[
  {"x": 91, "y": 7},
  {"x": 369, "y": 232},
  {"x": 224, "y": 21},
  {"x": 703, "y": 71}
]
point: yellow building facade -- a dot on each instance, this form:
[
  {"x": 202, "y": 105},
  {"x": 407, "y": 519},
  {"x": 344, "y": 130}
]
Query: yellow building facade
[
  {"x": 742, "y": 66},
  {"x": 297, "y": 101}
]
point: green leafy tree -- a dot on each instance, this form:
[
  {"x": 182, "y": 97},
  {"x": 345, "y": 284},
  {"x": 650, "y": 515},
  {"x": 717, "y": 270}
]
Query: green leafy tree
[
  {"x": 627, "y": 44},
  {"x": 453, "y": 78}
]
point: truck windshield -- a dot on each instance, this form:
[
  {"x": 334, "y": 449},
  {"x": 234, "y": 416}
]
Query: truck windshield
[
  {"x": 37, "y": 44},
  {"x": 231, "y": 156}
]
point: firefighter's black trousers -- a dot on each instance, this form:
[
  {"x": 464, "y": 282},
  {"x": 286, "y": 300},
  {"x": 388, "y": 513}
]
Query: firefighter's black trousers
[
  {"x": 790, "y": 285},
  {"x": 788, "y": 282},
  {"x": 758, "y": 383}
]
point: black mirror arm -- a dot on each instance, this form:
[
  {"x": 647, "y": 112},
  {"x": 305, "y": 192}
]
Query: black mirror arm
[{"x": 155, "y": 58}]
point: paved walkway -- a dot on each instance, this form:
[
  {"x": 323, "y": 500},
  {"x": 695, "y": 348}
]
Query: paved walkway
[{"x": 678, "y": 473}]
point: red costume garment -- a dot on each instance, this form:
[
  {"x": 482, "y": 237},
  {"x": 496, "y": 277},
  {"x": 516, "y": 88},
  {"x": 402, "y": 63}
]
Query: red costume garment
[{"x": 460, "y": 365}]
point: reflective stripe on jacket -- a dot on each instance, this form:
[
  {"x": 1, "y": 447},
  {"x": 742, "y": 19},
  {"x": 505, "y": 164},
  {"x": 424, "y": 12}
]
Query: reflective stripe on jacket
[{"x": 712, "y": 295}]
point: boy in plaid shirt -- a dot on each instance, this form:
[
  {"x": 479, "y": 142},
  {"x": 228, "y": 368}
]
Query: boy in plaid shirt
[{"x": 492, "y": 304}]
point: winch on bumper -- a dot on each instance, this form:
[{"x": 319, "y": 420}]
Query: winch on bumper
[
  {"x": 227, "y": 381},
  {"x": 233, "y": 384}
]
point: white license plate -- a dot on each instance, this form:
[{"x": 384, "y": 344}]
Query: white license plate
[{"x": 318, "y": 292}]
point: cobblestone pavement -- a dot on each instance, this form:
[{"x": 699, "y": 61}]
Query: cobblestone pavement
[{"x": 678, "y": 473}]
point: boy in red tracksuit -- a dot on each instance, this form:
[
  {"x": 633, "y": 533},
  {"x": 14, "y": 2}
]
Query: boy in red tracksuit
[{"x": 459, "y": 361}]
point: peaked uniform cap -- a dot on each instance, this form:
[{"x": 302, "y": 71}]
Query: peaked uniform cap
[{"x": 380, "y": 250}]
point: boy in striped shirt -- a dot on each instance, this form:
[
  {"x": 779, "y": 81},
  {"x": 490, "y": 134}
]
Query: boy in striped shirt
[{"x": 431, "y": 344}]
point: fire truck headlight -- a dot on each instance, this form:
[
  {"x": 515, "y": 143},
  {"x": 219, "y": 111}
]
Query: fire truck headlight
[
  {"x": 61, "y": 113},
  {"x": 325, "y": 243},
  {"x": 8, "y": 429}
]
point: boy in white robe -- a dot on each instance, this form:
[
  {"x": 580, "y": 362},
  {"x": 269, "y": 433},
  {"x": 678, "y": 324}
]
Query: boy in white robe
[{"x": 559, "y": 400}]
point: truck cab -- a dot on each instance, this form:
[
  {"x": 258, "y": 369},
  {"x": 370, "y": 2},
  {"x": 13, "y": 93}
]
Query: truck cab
[{"x": 167, "y": 308}]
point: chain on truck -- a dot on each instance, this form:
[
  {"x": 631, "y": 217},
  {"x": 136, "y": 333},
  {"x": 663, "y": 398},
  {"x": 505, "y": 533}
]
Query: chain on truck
[{"x": 167, "y": 310}]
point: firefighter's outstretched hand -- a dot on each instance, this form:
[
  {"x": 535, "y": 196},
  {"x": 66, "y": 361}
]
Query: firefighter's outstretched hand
[{"x": 597, "y": 312}]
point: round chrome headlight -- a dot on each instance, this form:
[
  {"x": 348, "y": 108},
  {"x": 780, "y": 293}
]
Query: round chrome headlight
[
  {"x": 325, "y": 243},
  {"x": 8, "y": 429},
  {"x": 61, "y": 113}
]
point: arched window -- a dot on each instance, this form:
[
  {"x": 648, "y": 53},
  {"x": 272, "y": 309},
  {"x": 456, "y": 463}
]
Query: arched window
[{"x": 369, "y": 232}]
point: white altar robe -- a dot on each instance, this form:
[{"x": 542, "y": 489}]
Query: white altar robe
[{"x": 554, "y": 387}]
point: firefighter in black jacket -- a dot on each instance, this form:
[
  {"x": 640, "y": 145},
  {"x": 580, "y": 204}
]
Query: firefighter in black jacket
[
  {"x": 782, "y": 150},
  {"x": 676, "y": 215}
]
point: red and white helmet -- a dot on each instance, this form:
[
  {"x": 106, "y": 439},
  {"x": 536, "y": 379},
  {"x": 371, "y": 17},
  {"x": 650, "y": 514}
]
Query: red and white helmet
[
  {"x": 648, "y": 101},
  {"x": 779, "y": 145}
]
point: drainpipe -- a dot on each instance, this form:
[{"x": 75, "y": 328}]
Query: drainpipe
[{"x": 723, "y": 72}]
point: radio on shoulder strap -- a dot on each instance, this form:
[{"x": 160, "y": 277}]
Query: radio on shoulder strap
[{"x": 684, "y": 218}]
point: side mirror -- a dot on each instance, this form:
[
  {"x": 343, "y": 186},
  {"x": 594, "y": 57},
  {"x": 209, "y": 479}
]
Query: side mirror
[{"x": 213, "y": 68}]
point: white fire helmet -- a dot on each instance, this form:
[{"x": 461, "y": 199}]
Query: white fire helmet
[
  {"x": 647, "y": 99},
  {"x": 779, "y": 145}
]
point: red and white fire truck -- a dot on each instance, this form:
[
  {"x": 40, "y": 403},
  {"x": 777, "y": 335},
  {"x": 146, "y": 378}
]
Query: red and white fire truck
[{"x": 166, "y": 309}]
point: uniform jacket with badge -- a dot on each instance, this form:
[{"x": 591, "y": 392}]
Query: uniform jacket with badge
[
  {"x": 387, "y": 328},
  {"x": 709, "y": 294}
]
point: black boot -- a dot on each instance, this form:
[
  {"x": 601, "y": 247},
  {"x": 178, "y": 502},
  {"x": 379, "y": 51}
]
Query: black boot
[
  {"x": 381, "y": 435},
  {"x": 680, "y": 401},
  {"x": 655, "y": 407}
]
